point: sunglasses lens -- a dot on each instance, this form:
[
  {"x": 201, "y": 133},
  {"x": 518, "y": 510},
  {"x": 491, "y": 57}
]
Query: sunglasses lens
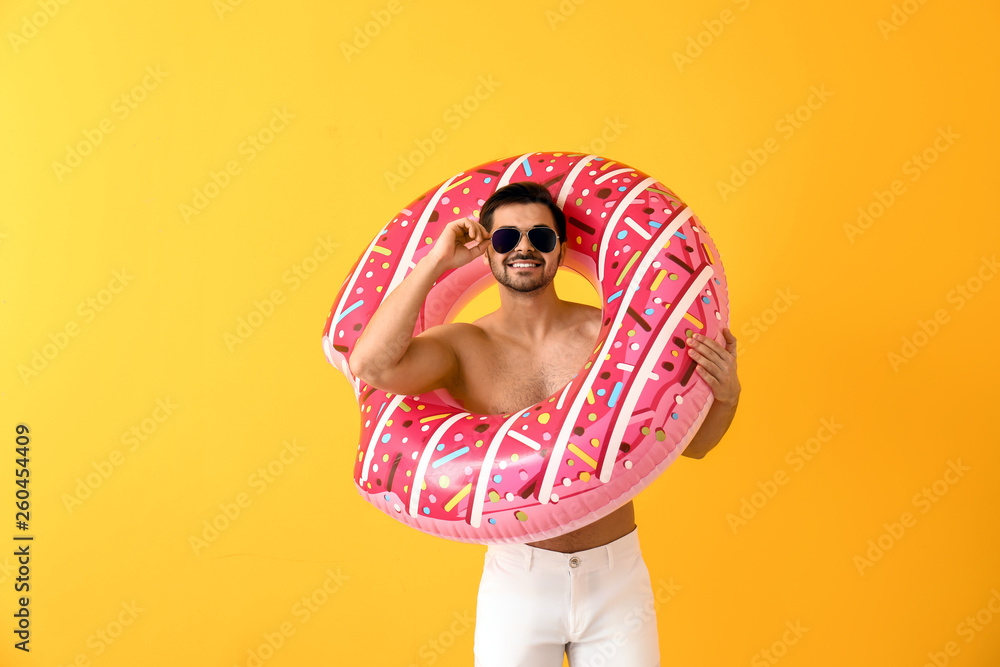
[
  {"x": 543, "y": 238},
  {"x": 505, "y": 239}
]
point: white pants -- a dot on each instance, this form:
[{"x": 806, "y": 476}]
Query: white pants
[{"x": 597, "y": 605}]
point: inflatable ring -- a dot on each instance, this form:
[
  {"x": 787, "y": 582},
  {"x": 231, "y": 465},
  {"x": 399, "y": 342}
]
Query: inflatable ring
[{"x": 585, "y": 451}]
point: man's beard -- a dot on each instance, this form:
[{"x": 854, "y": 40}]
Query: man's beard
[{"x": 524, "y": 283}]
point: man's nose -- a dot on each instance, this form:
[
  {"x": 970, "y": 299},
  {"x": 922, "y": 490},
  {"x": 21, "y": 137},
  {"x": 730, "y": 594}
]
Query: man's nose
[{"x": 524, "y": 245}]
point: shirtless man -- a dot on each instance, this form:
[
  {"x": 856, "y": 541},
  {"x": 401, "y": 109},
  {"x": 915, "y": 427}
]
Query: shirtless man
[{"x": 574, "y": 592}]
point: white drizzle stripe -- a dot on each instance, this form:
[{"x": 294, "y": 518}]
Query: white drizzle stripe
[
  {"x": 609, "y": 228},
  {"x": 525, "y": 439},
  {"x": 476, "y": 515},
  {"x": 639, "y": 230},
  {"x": 507, "y": 175},
  {"x": 416, "y": 236},
  {"x": 564, "y": 190},
  {"x": 559, "y": 447},
  {"x": 350, "y": 285},
  {"x": 611, "y": 174},
  {"x": 562, "y": 396},
  {"x": 625, "y": 367},
  {"x": 425, "y": 459},
  {"x": 652, "y": 355},
  {"x": 373, "y": 443}
]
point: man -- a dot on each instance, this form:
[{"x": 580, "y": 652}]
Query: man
[{"x": 587, "y": 592}]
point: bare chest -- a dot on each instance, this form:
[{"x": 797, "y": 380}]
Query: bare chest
[{"x": 504, "y": 380}]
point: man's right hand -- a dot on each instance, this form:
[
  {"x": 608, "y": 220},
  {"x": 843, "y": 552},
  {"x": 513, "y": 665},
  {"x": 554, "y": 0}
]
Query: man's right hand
[{"x": 453, "y": 250}]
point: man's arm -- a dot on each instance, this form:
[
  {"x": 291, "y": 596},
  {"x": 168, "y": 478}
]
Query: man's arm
[
  {"x": 387, "y": 355},
  {"x": 716, "y": 423},
  {"x": 717, "y": 365}
]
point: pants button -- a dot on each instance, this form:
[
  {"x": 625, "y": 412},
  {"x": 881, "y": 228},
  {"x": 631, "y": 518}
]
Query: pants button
[{"x": 574, "y": 562}]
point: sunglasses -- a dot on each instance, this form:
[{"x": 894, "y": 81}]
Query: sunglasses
[{"x": 506, "y": 239}]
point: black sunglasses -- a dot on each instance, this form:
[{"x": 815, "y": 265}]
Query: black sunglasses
[{"x": 506, "y": 239}]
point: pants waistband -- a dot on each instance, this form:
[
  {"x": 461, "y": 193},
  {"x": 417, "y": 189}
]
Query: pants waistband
[{"x": 599, "y": 558}]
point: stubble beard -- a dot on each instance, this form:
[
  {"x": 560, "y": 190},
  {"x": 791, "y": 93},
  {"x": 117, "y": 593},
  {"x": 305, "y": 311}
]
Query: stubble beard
[{"x": 522, "y": 284}]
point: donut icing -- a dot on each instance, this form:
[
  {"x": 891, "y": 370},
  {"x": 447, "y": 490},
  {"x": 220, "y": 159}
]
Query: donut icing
[{"x": 585, "y": 451}]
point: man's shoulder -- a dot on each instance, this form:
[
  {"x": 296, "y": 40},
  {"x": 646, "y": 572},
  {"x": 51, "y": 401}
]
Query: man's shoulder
[{"x": 455, "y": 332}]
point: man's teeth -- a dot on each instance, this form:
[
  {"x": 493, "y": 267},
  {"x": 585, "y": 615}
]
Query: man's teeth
[{"x": 520, "y": 265}]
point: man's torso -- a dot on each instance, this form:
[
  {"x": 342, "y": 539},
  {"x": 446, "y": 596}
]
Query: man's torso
[{"x": 501, "y": 375}]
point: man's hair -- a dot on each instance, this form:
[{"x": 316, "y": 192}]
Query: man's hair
[{"x": 524, "y": 192}]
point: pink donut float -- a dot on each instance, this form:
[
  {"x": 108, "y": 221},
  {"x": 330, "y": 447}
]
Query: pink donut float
[{"x": 585, "y": 451}]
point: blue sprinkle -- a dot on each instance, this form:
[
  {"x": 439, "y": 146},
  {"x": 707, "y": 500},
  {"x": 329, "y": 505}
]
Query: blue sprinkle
[
  {"x": 527, "y": 167},
  {"x": 440, "y": 447},
  {"x": 427, "y": 510},
  {"x": 454, "y": 455},
  {"x": 614, "y": 394},
  {"x": 493, "y": 520},
  {"x": 705, "y": 299},
  {"x": 487, "y": 179},
  {"x": 622, "y": 188},
  {"x": 497, "y": 478},
  {"x": 648, "y": 311},
  {"x": 680, "y": 235},
  {"x": 654, "y": 223},
  {"x": 601, "y": 392},
  {"x": 385, "y": 438},
  {"x": 622, "y": 234},
  {"x": 387, "y": 496},
  {"x": 673, "y": 415},
  {"x": 615, "y": 295},
  {"x": 526, "y": 414},
  {"x": 343, "y": 313}
]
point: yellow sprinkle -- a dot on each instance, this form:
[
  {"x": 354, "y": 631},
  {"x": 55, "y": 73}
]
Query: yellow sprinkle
[
  {"x": 458, "y": 496},
  {"x": 543, "y": 418},
  {"x": 711, "y": 259},
  {"x": 521, "y": 516},
  {"x": 424, "y": 420},
  {"x": 585, "y": 457},
  {"x": 458, "y": 183},
  {"x": 658, "y": 279},
  {"x": 694, "y": 320},
  {"x": 444, "y": 481}
]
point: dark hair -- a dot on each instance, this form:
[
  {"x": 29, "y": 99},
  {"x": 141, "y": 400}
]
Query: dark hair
[{"x": 524, "y": 192}]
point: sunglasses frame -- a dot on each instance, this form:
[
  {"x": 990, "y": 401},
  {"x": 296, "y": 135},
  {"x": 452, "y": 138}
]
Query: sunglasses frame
[{"x": 521, "y": 234}]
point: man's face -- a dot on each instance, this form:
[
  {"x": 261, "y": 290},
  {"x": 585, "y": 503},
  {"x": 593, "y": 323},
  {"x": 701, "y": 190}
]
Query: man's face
[{"x": 525, "y": 268}]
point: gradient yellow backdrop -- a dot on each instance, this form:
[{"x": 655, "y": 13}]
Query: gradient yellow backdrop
[{"x": 169, "y": 170}]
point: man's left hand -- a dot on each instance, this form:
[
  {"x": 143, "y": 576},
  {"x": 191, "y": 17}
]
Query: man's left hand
[{"x": 717, "y": 365}]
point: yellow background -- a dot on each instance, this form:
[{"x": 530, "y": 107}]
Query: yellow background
[{"x": 563, "y": 74}]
